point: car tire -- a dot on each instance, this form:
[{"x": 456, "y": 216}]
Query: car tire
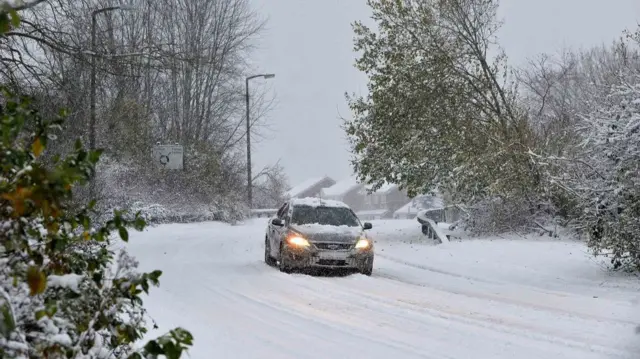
[
  {"x": 368, "y": 270},
  {"x": 268, "y": 259},
  {"x": 282, "y": 263}
]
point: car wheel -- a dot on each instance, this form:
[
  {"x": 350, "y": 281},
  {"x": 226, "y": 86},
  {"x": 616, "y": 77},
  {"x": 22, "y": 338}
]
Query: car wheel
[
  {"x": 284, "y": 268},
  {"x": 368, "y": 269},
  {"x": 268, "y": 259}
]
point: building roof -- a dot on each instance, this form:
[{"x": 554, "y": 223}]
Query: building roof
[
  {"x": 300, "y": 188},
  {"x": 419, "y": 203},
  {"x": 385, "y": 188},
  {"x": 341, "y": 187}
]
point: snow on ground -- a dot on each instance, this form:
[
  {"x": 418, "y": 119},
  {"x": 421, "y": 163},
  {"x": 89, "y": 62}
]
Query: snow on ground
[{"x": 465, "y": 299}]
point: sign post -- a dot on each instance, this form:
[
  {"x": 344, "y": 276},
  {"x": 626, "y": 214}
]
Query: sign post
[{"x": 169, "y": 157}]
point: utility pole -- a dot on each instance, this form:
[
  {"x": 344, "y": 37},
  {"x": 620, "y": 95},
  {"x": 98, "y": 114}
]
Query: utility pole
[{"x": 249, "y": 179}]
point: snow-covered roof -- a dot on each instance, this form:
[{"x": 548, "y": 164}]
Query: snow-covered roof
[
  {"x": 297, "y": 190},
  {"x": 385, "y": 188},
  {"x": 419, "y": 203},
  {"x": 341, "y": 187},
  {"x": 317, "y": 202}
]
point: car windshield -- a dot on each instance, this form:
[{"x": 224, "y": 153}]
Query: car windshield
[{"x": 332, "y": 216}]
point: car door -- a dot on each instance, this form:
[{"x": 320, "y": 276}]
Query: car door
[
  {"x": 275, "y": 231},
  {"x": 281, "y": 231}
]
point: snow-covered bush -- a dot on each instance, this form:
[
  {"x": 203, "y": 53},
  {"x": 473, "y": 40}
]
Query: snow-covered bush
[
  {"x": 610, "y": 181},
  {"x": 63, "y": 292},
  {"x": 168, "y": 196},
  {"x": 603, "y": 179}
]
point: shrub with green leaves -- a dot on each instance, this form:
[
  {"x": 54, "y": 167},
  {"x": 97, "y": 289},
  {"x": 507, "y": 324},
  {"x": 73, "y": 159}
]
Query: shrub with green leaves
[{"x": 65, "y": 292}]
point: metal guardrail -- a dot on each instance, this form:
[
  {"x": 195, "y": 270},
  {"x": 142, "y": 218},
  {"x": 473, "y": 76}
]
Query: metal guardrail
[
  {"x": 430, "y": 228},
  {"x": 449, "y": 214}
]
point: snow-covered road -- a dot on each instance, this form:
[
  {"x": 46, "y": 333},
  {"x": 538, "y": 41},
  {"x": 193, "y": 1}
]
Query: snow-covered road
[{"x": 473, "y": 299}]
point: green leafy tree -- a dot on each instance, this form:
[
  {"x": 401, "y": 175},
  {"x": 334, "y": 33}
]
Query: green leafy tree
[
  {"x": 440, "y": 112},
  {"x": 64, "y": 291}
]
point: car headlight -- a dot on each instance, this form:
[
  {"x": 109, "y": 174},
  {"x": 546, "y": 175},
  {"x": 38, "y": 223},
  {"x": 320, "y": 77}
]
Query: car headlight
[
  {"x": 298, "y": 241},
  {"x": 363, "y": 243}
]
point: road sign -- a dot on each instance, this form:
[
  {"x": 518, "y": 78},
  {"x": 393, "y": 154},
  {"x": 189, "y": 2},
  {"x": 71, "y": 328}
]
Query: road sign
[{"x": 168, "y": 156}]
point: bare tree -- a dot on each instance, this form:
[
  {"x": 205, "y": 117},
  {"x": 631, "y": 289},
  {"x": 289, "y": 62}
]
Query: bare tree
[
  {"x": 167, "y": 72},
  {"x": 557, "y": 90},
  {"x": 271, "y": 185}
]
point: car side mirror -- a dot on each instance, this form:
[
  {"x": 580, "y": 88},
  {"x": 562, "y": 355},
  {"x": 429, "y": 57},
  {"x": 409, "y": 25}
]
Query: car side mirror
[
  {"x": 277, "y": 222},
  {"x": 367, "y": 225}
]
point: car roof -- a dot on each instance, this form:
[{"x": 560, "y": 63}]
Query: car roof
[{"x": 317, "y": 202}]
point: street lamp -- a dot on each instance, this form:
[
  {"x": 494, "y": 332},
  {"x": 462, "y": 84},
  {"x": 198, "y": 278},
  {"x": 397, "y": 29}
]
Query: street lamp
[
  {"x": 249, "y": 184},
  {"x": 92, "y": 110}
]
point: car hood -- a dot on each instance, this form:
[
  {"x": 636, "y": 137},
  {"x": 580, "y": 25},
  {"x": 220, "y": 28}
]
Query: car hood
[{"x": 325, "y": 233}]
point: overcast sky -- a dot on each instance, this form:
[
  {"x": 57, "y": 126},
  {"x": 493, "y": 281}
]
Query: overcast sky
[{"x": 308, "y": 45}]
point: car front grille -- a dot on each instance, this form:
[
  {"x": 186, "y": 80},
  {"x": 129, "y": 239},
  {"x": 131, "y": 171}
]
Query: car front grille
[
  {"x": 332, "y": 262},
  {"x": 347, "y": 263},
  {"x": 333, "y": 246}
]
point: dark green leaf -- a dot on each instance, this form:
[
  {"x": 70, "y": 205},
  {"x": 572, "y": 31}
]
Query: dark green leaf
[
  {"x": 86, "y": 222},
  {"x": 172, "y": 351},
  {"x": 139, "y": 223},
  {"x": 8, "y": 320},
  {"x": 51, "y": 309},
  {"x": 40, "y": 314},
  {"x": 124, "y": 234},
  {"x": 155, "y": 275},
  {"x": 153, "y": 348},
  {"x": 15, "y": 18},
  {"x": 5, "y": 23}
]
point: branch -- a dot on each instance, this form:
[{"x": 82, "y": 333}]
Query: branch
[
  {"x": 7, "y": 6},
  {"x": 41, "y": 40},
  {"x": 267, "y": 171}
]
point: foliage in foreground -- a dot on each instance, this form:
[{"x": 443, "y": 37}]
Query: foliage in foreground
[{"x": 64, "y": 291}]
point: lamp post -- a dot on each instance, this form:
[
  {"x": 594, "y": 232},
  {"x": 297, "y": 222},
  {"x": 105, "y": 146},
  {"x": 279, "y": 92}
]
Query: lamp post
[
  {"x": 92, "y": 95},
  {"x": 249, "y": 180}
]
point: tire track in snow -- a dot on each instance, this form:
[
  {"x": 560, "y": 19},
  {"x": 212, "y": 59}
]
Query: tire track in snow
[
  {"x": 495, "y": 323},
  {"x": 477, "y": 319},
  {"x": 272, "y": 337},
  {"x": 450, "y": 314},
  {"x": 286, "y": 315},
  {"x": 512, "y": 301},
  {"x": 472, "y": 278},
  {"x": 286, "y": 323},
  {"x": 434, "y": 269}
]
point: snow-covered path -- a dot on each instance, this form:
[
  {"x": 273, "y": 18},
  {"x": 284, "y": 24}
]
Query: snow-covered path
[{"x": 477, "y": 299}]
